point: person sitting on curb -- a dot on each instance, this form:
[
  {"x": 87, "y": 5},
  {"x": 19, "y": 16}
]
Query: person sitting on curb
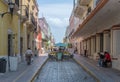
[{"x": 107, "y": 59}]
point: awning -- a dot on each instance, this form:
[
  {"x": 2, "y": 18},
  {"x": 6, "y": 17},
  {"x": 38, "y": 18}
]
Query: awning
[{"x": 61, "y": 45}]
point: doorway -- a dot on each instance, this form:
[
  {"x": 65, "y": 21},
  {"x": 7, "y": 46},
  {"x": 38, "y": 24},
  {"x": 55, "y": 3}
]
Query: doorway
[
  {"x": 21, "y": 47},
  {"x": 10, "y": 48},
  {"x": 101, "y": 42}
]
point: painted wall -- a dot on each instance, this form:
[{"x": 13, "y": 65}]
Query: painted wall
[{"x": 7, "y": 23}]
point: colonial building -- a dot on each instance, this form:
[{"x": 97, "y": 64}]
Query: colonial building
[
  {"x": 99, "y": 28},
  {"x": 39, "y": 38},
  {"x": 9, "y": 28},
  {"x": 46, "y": 33},
  {"x": 28, "y": 18},
  {"x": 18, "y": 24}
]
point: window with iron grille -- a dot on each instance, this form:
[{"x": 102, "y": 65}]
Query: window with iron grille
[
  {"x": 17, "y": 2},
  {"x": 27, "y": 12},
  {"x": 33, "y": 7},
  {"x": 89, "y": 10}
]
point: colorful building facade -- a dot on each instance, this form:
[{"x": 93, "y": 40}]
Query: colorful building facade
[
  {"x": 17, "y": 29},
  {"x": 47, "y": 38},
  {"x": 29, "y": 18},
  {"x": 9, "y": 20},
  {"x": 99, "y": 29}
]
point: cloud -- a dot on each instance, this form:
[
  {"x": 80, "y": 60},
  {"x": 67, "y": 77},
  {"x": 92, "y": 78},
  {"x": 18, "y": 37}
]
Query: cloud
[
  {"x": 57, "y": 22},
  {"x": 58, "y": 27},
  {"x": 57, "y": 16}
]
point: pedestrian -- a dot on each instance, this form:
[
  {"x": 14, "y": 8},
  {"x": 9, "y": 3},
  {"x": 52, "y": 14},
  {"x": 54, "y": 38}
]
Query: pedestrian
[
  {"x": 28, "y": 56},
  {"x": 107, "y": 59},
  {"x": 101, "y": 58},
  {"x": 85, "y": 52},
  {"x": 75, "y": 50},
  {"x": 36, "y": 52}
]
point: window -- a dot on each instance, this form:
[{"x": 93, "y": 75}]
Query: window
[
  {"x": 17, "y": 2},
  {"x": 28, "y": 0},
  {"x": 33, "y": 7},
  {"x": 36, "y": 14},
  {"x": 101, "y": 42}
]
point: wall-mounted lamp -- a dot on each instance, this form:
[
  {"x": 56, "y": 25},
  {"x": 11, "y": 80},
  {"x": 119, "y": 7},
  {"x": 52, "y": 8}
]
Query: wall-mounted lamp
[{"x": 11, "y": 8}]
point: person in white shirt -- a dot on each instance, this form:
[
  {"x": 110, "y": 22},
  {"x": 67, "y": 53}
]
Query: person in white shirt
[{"x": 28, "y": 55}]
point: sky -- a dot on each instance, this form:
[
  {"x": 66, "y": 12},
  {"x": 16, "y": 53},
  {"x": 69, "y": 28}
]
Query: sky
[{"x": 57, "y": 14}]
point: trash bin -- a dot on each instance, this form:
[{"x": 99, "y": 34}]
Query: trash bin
[{"x": 3, "y": 63}]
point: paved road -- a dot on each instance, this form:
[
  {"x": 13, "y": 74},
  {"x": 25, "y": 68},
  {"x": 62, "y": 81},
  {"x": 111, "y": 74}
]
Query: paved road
[{"x": 63, "y": 71}]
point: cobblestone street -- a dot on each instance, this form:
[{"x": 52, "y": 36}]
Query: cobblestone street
[
  {"x": 63, "y": 71},
  {"x": 59, "y": 41}
]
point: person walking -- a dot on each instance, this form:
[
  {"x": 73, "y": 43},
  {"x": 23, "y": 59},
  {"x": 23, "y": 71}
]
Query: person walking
[
  {"x": 36, "y": 52},
  {"x": 28, "y": 55}
]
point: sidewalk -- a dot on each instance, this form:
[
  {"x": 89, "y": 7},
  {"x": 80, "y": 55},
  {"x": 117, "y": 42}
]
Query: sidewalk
[
  {"x": 24, "y": 73},
  {"x": 100, "y": 73}
]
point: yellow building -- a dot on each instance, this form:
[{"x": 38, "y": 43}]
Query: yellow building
[
  {"x": 29, "y": 18},
  {"x": 17, "y": 28},
  {"x": 8, "y": 30}
]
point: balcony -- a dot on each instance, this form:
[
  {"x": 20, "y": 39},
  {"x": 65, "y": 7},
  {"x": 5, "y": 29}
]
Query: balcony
[
  {"x": 32, "y": 23},
  {"x": 84, "y": 2},
  {"x": 79, "y": 11},
  {"x": 24, "y": 13},
  {"x": 33, "y": 20}
]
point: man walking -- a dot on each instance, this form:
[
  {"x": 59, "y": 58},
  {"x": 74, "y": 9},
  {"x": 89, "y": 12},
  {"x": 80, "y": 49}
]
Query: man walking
[{"x": 28, "y": 55}]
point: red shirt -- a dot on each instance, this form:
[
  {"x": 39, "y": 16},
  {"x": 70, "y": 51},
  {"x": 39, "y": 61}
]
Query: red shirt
[{"x": 107, "y": 57}]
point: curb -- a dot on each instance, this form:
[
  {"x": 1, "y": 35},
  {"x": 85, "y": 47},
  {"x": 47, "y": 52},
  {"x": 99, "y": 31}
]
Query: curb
[
  {"x": 87, "y": 70},
  {"x": 37, "y": 72}
]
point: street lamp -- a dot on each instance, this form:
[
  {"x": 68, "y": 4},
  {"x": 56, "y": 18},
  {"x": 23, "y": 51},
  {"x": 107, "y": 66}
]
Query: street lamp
[{"x": 11, "y": 8}]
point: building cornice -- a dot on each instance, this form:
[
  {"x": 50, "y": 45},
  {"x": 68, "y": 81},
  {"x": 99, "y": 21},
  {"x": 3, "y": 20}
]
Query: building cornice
[
  {"x": 92, "y": 14},
  {"x": 116, "y": 27}
]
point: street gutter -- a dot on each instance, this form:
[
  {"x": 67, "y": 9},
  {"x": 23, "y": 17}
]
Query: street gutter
[
  {"x": 87, "y": 70},
  {"x": 38, "y": 71}
]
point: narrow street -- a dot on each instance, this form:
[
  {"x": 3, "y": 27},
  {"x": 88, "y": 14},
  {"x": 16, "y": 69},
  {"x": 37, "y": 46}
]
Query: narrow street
[
  {"x": 63, "y": 71},
  {"x": 36, "y": 34}
]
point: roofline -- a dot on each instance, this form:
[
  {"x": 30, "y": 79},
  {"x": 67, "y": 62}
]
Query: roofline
[{"x": 92, "y": 14}]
